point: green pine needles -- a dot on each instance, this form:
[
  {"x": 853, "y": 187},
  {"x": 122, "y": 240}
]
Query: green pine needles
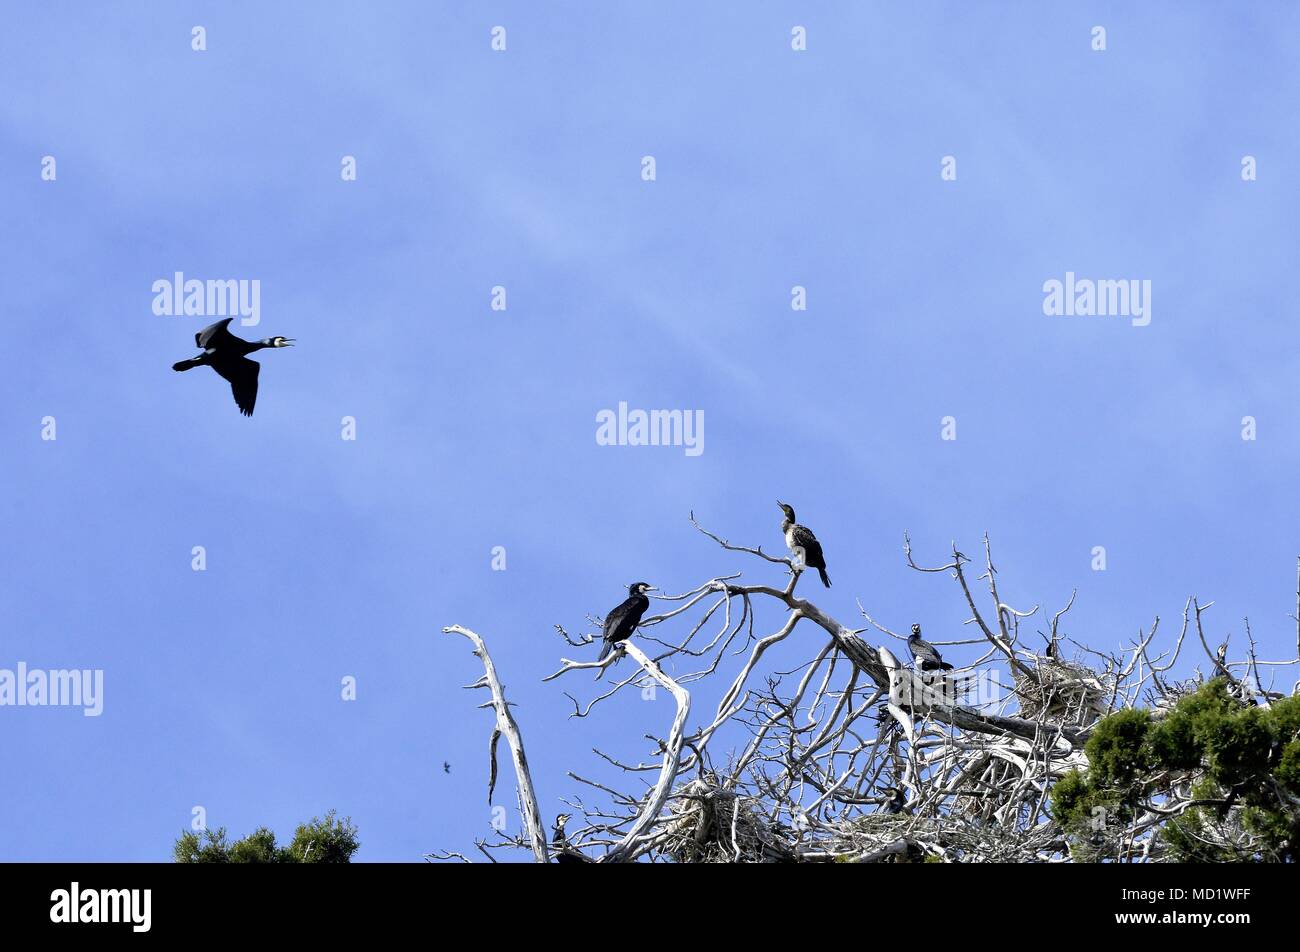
[
  {"x": 1218, "y": 777},
  {"x": 328, "y": 840}
]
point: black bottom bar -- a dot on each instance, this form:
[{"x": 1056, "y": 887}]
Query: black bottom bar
[{"x": 330, "y": 902}]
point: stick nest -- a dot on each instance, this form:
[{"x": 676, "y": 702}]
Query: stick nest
[{"x": 1065, "y": 693}]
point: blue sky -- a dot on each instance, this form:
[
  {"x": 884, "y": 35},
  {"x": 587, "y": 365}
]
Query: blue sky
[{"x": 475, "y": 428}]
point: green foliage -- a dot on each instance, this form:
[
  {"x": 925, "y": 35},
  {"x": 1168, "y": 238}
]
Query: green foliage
[
  {"x": 1239, "y": 748},
  {"x": 1238, "y": 755},
  {"x": 1116, "y": 752},
  {"x": 1068, "y": 796},
  {"x": 256, "y": 847},
  {"x": 1286, "y": 717},
  {"x": 1086, "y": 811},
  {"x": 208, "y": 847},
  {"x": 1288, "y": 768},
  {"x": 328, "y": 840},
  {"x": 1185, "y": 837}
]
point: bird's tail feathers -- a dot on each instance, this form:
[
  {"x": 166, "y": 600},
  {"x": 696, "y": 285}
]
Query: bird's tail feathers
[
  {"x": 826, "y": 579},
  {"x": 604, "y": 653}
]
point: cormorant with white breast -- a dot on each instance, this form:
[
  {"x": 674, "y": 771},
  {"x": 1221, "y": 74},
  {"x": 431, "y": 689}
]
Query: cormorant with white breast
[
  {"x": 800, "y": 539},
  {"x": 228, "y": 356},
  {"x": 560, "y": 847},
  {"x": 622, "y": 621},
  {"x": 925, "y": 655}
]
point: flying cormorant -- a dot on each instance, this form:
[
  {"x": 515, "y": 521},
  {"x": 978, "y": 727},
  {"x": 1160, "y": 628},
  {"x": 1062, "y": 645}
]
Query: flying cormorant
[
  {"x": 801, "y": 539},
  {"x": 622, "y": 621},
  {"x": 924, "y": 653},
  {"x": 228, "y": 355}
]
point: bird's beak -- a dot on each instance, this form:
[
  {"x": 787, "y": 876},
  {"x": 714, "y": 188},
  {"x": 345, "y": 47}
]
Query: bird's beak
[
  {"x": 780, "y": 503},
  {"x": 652, "y": 588},
  {"x": 288, "y": 341}
]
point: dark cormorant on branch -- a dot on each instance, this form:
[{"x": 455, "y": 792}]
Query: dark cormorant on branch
[
  {"x": 564, "y": 853},
  {"x": 622, "y": 621},
  {"x": 228, "y": 355},
  {"x": 924, "y": 653},
  {"x": 801, "y": 539}
]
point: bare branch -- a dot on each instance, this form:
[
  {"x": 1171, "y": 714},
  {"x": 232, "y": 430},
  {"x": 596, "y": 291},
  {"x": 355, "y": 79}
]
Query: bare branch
[{"x": 506, "y": 725}]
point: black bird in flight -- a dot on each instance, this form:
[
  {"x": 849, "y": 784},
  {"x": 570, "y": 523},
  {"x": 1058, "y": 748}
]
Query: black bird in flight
[
  {"x": 446, "y": 767},
  {"x": 564, "y": 853},
  {"x": 622, "y": 621},
  {"x": 925, "y": 655},
  {"x": 800, "y": 539},
  {"x": 228, "y": 355}
]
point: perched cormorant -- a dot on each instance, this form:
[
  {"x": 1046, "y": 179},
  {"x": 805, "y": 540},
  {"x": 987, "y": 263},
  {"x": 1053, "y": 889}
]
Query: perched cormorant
[
  {"x": 564, "y": 853},
  {"x": 622, "y": 621},
  {"x": 895, "y": 802},
  {"x": 924, "y": 653},
  {"x": 228, "y": 355},
  {"x": 1222, "y": 654},
  {"x": 801, "y": 539}
]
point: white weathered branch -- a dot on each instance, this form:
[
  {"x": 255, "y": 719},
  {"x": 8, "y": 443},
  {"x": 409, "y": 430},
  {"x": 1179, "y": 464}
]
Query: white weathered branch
[
  {"x": 506, "y": 725},
  {"x": 627, "y": 848}
]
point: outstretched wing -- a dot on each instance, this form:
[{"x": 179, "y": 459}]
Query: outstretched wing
[
  {"x": 242, "y": 374},
  {"x": 214, "y": 334}
]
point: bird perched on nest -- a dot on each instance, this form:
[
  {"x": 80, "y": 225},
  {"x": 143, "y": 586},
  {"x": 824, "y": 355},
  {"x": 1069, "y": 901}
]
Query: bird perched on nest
[
  {"x": 925, "y": 655},
  {"x": 622, "y": 621},
  {"x": 228, "y": 356},
  {"x": 895, "y": 802},
  {"x": 803, "y": 544},
  {"x": 565, "y": 853}
]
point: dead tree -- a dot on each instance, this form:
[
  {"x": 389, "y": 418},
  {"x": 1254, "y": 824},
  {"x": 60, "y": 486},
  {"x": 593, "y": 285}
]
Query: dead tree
[
  {"x": 505, "y": 724},
  {"x": 802, "y": 765}
]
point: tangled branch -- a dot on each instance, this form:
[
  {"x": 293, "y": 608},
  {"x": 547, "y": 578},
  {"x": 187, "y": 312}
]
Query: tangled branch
[{"x": 856, "y": 756}]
